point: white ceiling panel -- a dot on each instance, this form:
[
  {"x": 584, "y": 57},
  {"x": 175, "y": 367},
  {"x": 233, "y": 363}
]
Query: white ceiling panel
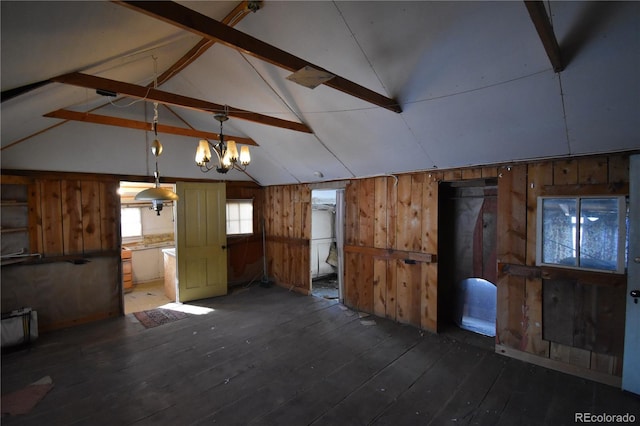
[
  {"x": 512, "y": 121},
  {"x": 474, "y": 82}
]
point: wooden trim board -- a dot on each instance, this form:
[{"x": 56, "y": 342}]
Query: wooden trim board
[{"x": 574, "y": 370}]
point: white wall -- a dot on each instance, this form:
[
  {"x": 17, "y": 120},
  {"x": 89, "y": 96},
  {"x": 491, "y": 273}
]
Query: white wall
[{"x": 322, "y": 223}]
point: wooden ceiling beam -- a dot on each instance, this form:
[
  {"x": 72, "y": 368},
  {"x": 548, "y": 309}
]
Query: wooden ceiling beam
[
  {"x": 232, "y": 18},
  {"x": 86, "y": 117},
  {"x": 155, "y": 95},
  {"x": 236, "y": 15},
  {"x": 190, "y": 20},
  {"x": 541, "y": 21}
]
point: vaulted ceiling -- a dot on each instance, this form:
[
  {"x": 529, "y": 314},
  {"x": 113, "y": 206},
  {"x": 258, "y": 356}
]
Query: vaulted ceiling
[{"x": 419, "y": 85}]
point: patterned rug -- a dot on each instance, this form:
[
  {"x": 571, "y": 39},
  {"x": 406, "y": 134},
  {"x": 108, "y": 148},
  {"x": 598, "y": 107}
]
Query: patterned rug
[{"x": 156, "y": 317}]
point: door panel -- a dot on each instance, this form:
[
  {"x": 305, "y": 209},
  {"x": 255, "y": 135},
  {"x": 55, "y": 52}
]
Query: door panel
[
  {"x": 201, "y": 253},
  {"x": 631, "y": 365}
]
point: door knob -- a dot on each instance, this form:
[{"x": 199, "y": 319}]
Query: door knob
[
  {"x": 635, "y": 293},
  {"x": 637, "y": 259}
]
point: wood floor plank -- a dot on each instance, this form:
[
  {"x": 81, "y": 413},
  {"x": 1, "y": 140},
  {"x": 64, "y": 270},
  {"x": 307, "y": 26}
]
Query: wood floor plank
[
  {"x": 273, "y": 357},
  {"x": 381, "y": 390},
  {"x": 432, "y": 390}
]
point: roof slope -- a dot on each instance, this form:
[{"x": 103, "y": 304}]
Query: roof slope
[{"x": 472, "y": 78}]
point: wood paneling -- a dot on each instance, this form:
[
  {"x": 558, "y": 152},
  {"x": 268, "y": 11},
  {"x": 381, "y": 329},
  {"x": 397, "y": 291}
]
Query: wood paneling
[
  {"x": 109, "y": 216},
  {"x": 380, "y": 287},
  {"x": 579, "y": 311},
  {"x": 391, "y": 245},
  {"x": 73, "y": 217},
  {"x": 512, "y": 317},
  {"x": 366, "y": 212},
  {"x": 380, "y": 217},
  {"x": 539, "y": 176},
  {"x": 593, "y": 170},
  {"x": 51, "y": 207},
  {"x": 565, "y": 172},
  {"x": 287, "y": 211},
  {"x": 91, "y": 222},
  {"x": 244, "y": 253}
]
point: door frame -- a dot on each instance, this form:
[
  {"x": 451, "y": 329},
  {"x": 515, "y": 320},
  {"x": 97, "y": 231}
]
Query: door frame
[
  {"x": 630, "y": 366},
  {"x": 338, "y": 226}
]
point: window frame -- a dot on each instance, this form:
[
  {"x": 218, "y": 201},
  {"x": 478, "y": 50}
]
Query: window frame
[
  {"x": 239, "y": 201},
  {"x": 622, "y": 232}
]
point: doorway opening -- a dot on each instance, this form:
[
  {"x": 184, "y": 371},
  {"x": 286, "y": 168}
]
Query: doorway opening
[
  {"x": 326, "y": 243},
  {"x": 467, "y": 257},
  {"x": 146, "y": 236}
]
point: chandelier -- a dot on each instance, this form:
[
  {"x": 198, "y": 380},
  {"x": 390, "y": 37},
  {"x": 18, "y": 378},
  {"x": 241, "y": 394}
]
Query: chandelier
[{"x": 226, "y": 151}]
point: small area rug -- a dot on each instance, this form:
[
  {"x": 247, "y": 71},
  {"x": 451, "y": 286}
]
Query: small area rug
[{"x": 158, "y": 316}]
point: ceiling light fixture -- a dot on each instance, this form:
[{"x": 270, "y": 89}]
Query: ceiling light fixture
[
  {"x": 226, "y": 151},
  {"x": 156, "y": 195}
]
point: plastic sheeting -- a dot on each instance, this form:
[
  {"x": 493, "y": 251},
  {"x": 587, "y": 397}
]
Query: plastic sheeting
[{"x": 476, "y": 306}]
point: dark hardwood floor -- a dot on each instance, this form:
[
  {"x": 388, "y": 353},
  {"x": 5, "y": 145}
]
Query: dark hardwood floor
[{"x": 266, "y": 356}]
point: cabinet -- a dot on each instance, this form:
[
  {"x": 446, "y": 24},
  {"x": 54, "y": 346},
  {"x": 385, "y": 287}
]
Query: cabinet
[{"x": 127, "y": 276}]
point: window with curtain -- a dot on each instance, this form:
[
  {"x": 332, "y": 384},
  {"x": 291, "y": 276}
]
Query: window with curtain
[{"x": 582, "y": 232}]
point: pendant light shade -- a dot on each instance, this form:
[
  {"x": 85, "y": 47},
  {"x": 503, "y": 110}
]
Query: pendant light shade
[{"x": 160, "y": 194}]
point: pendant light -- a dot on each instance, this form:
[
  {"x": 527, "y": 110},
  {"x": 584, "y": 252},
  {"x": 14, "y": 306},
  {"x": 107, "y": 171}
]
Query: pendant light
[{"x": 156, "y": 195}]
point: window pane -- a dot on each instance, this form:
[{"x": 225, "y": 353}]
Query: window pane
[
  {"x": 233, "y": 227},
  {"x": 131, "y": 222},
  {"x": 246, "y": 226},
  {"x": 599, "y": 236},
  {"x": 233, "y": 212},
  {"x": 559, "y": 231},
  {"x": 239, "y": 217},
  {"x": 246, "y": 210}
]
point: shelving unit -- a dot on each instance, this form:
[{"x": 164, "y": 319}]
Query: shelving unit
[{"x": 14, "y": 223}]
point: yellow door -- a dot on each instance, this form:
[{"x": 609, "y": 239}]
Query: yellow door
[{"x": 201, "y": 239}]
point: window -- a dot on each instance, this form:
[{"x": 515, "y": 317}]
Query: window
[
  {"x": 239, "y": 217},
  {"x": 582, "y": 232},
  {"x": 131, "y": 219}
]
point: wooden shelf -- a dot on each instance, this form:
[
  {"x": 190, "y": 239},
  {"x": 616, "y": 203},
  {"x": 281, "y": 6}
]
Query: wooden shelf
[
  {"x": 11, "y": 203},
  {"x": 12, "y": 230}
]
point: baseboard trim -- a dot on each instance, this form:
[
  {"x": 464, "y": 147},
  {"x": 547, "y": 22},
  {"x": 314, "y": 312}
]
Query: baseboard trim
[{"x": 563, "y": 367}]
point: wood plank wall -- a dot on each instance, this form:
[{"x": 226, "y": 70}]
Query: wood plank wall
[
  {"x": 287, "y": 219},
  {"x": 75, "y": 217},
  {"x": 244, "y": 254},
  {"x": 74, "y": 224},
  {"x": 391, "y": 247},
  {"x": 520, "y": 292}
]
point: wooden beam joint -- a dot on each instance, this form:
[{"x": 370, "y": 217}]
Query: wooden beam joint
[
  {"x": 197, "y": 23},
  {"x": 155, "y": 95},
  {"x": 541, "y": 21}
]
